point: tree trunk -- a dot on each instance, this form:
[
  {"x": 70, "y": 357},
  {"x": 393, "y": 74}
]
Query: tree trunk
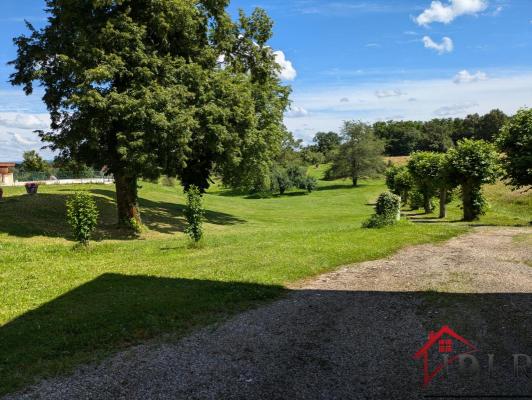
[
  {"x": 443, "y": 201},
  {"x": 467, "y": 202},
  {"x": 426, "y": 203},
  {"x": 126, "y": 200},
  {"x": 404, "y": 198},
  {"x": 355, "y": 180}
]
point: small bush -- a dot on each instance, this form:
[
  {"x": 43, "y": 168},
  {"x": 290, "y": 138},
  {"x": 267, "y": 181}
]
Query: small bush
[
  {"x": 82, "y": 216},
  {"x": 309, "y": 183},
  {"x": 135, "y": 226},
  {"x": 388, "y": 204},
  {"x": 377, "y": 221},
  {"x": 416, "y": 199},
  {"x": 386, "y": 211},
  {"x": 194, "y": 213}
]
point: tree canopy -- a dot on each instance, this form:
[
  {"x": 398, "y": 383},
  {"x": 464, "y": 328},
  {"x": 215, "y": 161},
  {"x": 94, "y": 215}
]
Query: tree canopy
[
  {"x": 33, "y": 162},
  {"x": 425, "y": 167},
  {"x": 515, "y": 141},
  {"x": 359, "y": 155},
  {"x": 148, "y": 87},
  {"x": 471, "y": 164}
]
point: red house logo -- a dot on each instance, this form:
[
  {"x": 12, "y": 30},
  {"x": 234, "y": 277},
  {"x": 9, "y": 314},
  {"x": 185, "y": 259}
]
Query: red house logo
[{"x": 444, "y": 342}]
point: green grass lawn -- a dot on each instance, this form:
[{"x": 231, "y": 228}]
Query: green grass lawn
[{"x": 60, "y": 307}]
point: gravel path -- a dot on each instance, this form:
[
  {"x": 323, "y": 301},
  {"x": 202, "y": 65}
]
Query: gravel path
[{"x": 349, "y": 334}]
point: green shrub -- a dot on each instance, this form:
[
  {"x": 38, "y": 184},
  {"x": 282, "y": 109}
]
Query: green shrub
[
  {"x": 309, "y": 183},
  {"x": 194, "y": 213},
  {"x": 388, "y": 204},
  {"x": 399, "y": 181},
  {"x": 515, "y": 142},
  {"x": 415, "y": 199},
  {"x": 472, "y": 164},
  {"x": 386, "y": 211},
  {"x": 286, "y": 178},
  {"x": 377, "y": 221},
  {"x": 82, "y": 216}
]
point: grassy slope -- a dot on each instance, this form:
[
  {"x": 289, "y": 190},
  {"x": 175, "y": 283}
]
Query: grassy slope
[
  {"x": 61, "y": 307},
  {"x": 505, "y": 207}
]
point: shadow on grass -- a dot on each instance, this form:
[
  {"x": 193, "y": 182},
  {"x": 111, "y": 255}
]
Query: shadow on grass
[
  {"x": 112, "y": 312},
  {"x": 44, "y": 214},
  {"x": 115, "y": 311},
  {"x": 339, "y": 186},
  {"x": 266, "y": 195}
]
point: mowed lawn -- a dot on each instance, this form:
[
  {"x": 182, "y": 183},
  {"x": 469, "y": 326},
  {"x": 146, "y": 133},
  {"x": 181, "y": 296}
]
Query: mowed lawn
[{"x": 60, "y": 307}]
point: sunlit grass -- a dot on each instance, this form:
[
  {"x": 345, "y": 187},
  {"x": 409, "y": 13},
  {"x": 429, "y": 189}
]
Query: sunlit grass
[{"x": 61, "y": 307}]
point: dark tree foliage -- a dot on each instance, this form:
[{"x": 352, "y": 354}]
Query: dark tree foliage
[
  {"x": 471, "y": 164},
  {"x": 401, "y": 137},
  {"x": 436, "y": 135},
  {"x": 326, "y": 143},
  {"x": 439, "y": 134},
  {"x": 359, "y": 155},
  {"x": 33, "y": 162},
  {"x": 425, "y": 169},
  {"x": 147, "y": 87},
  {"x": 515, "y": 142}
]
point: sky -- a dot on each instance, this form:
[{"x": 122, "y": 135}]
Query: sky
[{"x": 347, "y": 60}]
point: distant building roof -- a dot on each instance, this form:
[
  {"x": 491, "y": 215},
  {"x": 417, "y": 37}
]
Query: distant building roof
[{"x": 6, "y": 164}]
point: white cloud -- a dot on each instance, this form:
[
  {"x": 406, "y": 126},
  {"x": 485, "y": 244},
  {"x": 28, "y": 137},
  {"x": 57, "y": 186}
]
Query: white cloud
[
  {"x": 389, "y": 93},
  {"x": 446, "y": 13},
  {"x": 446, "y": 45},
  {"x": 22, "y": 140},
  {"x": 296, "y": 112},
  {"x": 24, "y": 121},
  {"x": 17, "y": 136},
  {"x": 344, "y": 100},
  {"x": 455, "y": 109},
  {"x": 506, "y": 90},
  {"x": 372, "y": 45},
  {"x": 497, "y": 11},
  {"x": 465, "y": 77},
  {"x": 288, "y": 72}
]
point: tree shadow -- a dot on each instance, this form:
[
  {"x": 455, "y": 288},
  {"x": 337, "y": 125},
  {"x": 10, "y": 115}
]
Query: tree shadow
[
  {"x": 44, "y": 214},
  {"x": 169, "y": 218},
  {"x": 331, "y": 333},
  {"x": 340, "y": 186},
  {"x": 112, "y": 312}
]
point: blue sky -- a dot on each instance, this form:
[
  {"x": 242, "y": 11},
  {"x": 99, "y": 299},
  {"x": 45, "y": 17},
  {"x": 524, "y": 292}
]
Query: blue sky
[{"x": 367, "y": 60}]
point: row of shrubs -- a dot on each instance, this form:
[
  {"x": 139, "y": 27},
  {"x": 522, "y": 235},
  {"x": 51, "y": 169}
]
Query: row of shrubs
[
  {"x": 427, "y": 175},
  {"x": 82, "y": 215}
]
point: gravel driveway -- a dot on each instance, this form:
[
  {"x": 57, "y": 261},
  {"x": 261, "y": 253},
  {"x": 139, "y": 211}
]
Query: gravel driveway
[{"x": 349, "y": 334}]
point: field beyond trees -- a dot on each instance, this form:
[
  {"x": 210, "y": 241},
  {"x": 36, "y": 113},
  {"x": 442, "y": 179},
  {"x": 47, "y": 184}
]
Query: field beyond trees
[{"x": 61, "y": 307}]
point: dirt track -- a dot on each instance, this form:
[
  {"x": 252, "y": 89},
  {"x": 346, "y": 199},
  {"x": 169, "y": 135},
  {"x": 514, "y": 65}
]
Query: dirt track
[{"x": 349, "y": 334}]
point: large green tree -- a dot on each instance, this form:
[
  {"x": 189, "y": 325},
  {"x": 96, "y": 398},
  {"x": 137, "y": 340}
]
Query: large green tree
[
  {"x": 359, "y": 155},
  {"x": 425, "y": 169},
  {"x": 515, "y": 141},
  {"x": 471, "y": 164},
  {"x": 157, "y": 86},
  {"x": 327, "y": 143},
  {"x": 33, "y": 162}
]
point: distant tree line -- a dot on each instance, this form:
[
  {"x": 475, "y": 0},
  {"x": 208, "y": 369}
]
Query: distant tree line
[
  {"x": 439, "y": 134},
  {"x": 467, "y": 166}
]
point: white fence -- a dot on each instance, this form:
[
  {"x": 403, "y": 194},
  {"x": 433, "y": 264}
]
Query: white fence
[{"x": 105, "y": 181}]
